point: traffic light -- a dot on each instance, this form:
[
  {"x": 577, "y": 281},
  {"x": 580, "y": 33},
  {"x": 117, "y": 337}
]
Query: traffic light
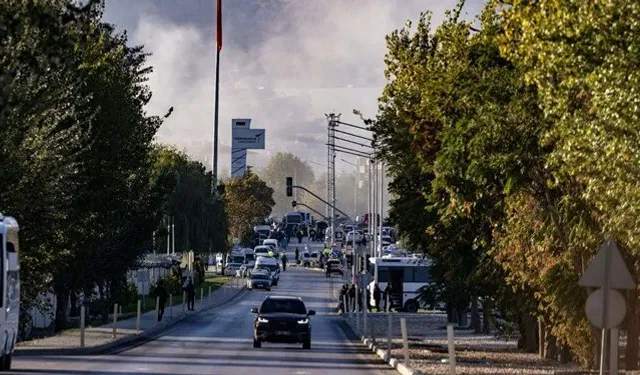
[
  {"x": 289, "y": 186},
  {"x": 294, "y": 204}
]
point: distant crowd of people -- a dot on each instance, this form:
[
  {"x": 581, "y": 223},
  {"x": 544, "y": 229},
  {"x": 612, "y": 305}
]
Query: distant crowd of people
[{"x": 380, "y": 297}]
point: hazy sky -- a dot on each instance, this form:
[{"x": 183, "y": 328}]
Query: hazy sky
[{"x": 284, "y": 64}]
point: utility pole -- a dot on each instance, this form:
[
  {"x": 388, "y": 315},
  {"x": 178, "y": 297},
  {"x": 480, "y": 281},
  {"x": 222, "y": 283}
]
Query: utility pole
[
  {"x": 381, "y": 206},
  {"x": 168, "y": 235},
  {"x": 369, "y": 204},
  {"x": 173, "y": 235},
  {"x": 331, "y": 170}
]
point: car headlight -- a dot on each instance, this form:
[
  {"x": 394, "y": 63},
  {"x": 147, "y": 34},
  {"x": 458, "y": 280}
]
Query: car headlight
[
  {"x": 263, "y": 320},
  {"x": 303, "y": 321}
]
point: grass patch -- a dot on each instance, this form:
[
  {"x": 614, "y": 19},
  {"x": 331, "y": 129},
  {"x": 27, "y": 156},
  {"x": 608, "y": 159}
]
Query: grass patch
[{"x": 149, "y": 302}]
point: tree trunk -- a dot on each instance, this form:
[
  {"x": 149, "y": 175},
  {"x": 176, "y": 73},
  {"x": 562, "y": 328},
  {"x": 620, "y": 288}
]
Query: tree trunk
[
  {"x": 550, "y": 347},
  {"x": 565, "y": 354},
  {"x": 528, "y": 334},
  {"x": 487, "y": 316},
  {"x": 452, "y": 313},
  {"x": 462, "y": 318},
  {"x": 62, "y": 306},
  {"x": 74, "y": 305},
  {"x": 633, "y": 328},
  {"x": 475, "y": 316},
  {"x": 541, "y": 338}
]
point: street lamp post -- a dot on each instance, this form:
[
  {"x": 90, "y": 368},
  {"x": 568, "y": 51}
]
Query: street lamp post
[{"x": 355, "y": 189}]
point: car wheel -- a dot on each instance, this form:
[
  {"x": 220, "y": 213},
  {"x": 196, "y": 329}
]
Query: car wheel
[
  {"x": 306, "y": 344},
  {"x": 257, "y": 343},
  {"x": 411, "y": 306}
]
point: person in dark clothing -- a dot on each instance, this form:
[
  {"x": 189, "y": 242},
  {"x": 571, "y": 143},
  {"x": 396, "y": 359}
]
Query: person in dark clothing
[
  {"x": 300, "y": 235},
  {"x": 191, "y": 294},
  {"x": 376, "y": 296},
  {"x": 284, "y": 261},
  {"x": 368, "y": 299},
  {"x": 328, "y": 268},
  {"x": 161, "y": 293},
  {"x": 351, "y": 292},
  {"x": 343, "y": 294},
  {"x": 297, "y": 254},
  {"x": 387, "y": 297}
]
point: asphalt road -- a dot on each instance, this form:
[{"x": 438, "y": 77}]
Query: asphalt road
[{"x": 219, "y": 342}]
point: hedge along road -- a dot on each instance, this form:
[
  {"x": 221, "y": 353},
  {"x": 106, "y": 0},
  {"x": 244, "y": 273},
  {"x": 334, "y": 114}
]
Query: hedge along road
[{"x": 219, "y": 342}]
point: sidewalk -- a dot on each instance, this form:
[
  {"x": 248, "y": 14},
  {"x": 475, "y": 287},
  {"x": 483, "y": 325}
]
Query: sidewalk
[{"x": 100, "y": 339}]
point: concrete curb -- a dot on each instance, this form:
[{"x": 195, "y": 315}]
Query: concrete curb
[
  {"x": 382, "y": 353},
  {"x": 127, "y": 341}
]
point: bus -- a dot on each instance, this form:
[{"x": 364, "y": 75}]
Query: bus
[
  {"x": 9, "y": 290},
  {"x": 406, "y": 276}
]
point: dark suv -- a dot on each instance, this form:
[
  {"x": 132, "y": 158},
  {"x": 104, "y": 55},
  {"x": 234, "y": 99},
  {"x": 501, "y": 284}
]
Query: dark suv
[{"x": 284, "y": 320}]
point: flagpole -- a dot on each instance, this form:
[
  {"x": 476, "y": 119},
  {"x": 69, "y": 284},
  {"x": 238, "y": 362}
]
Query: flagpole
[
  {"x": 214, "y": 180},
  {"x": 215, "y": 125}
]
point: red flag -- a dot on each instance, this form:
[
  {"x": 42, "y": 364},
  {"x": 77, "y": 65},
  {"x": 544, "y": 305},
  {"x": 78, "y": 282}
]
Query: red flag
[{"x": 219, "y": 11}]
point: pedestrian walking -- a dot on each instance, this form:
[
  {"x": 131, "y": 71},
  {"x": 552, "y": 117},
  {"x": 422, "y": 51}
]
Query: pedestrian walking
[
  {"x": 297, "y": 255},
  {"x": 161, "y": 293},
  {"x": 376, "y": 296},
  {"x": 387, "y": 297},
  {"x": 284, "y": 261},
  {"x": 351, "y": 292},
  {"x": 300, "y": 235},
  {"x": 343, "y": 293},
  {"x": 190, "y": 289}
]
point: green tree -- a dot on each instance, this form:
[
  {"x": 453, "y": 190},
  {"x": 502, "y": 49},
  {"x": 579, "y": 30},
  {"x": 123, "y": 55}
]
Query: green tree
[
  {"x": 283, "y": 165},
  {"x": 583, "y": 59},
  {"x": 249, "y": 202},
  {"x": 185, "y": 186},
  {"x": 42, "y": 137}
]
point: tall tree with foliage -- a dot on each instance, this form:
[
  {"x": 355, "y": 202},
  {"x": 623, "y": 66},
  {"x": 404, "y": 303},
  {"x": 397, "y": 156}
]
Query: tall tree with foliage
[
  {"x": 42, "y": 134},
  {"x": 283, "y": 165},
  {"x": 249, "y": 202},
  {"x": 199, "y": 218},
  {"x": 583, "y": 58}
]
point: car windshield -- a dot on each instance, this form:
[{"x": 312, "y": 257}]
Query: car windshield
[
  {"x": 274, "y": 305},
  {"x": 259, "y": 276}
]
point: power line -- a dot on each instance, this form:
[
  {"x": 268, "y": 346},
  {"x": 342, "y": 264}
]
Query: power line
[
  {"x": 353, "y": 126},
  {"x": 354, "y": 142},
  {"x": 353, "y": 135}
]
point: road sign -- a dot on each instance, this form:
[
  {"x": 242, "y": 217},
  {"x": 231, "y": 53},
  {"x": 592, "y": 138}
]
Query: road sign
[
  {"x": 248, "y": 138},
  {"x": 615, "y": 313},
  {"x": 614, "y": 269}
]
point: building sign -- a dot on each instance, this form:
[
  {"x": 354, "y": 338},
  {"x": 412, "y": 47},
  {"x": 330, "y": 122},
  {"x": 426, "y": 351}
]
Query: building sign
[{"x": 248, "y": 139}]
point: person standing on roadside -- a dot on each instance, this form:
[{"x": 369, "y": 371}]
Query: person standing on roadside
[
  {"x": 376, "y": 296},
  {"x": 284, "y": 261},
  {"x": 351, "y": 292},
  {"x": 161, "y": 294},
  {"x": 300, "y": 235},
  {"x": 387, "y": 297},
  {"x": 190, "y": 289}
]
